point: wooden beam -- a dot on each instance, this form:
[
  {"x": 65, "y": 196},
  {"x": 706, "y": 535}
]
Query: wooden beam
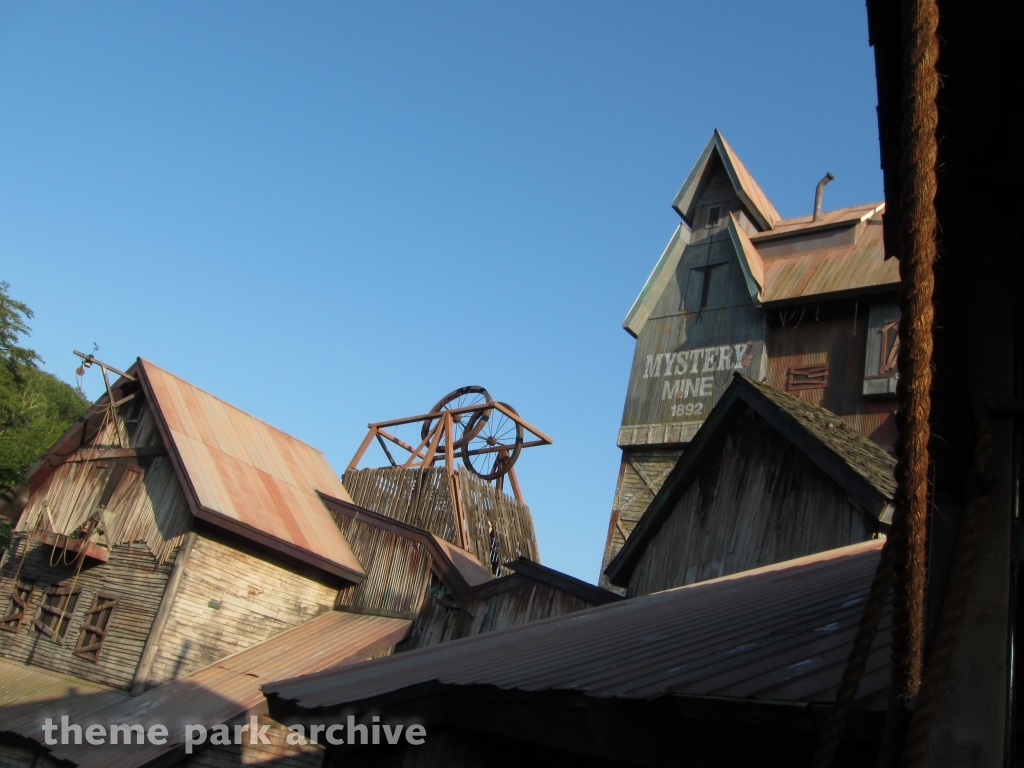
[{"x": 163, "y": 613}]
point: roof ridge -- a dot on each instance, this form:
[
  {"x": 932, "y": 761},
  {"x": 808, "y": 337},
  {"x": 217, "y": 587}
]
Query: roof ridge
[{"x": 234, "y": 407}]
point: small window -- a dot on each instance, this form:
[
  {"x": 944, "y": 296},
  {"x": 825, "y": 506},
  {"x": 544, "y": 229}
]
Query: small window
[
  {"x": 890, "y": 347},
  {"x": 94, "y": 630},
  {"x": 807, "y": 377},
  {"x": 708, "y": 287},
  {"x": 55, "y": 612},
  {"x": 17, "y": 607},
  {"x": 714, "y": 216}
]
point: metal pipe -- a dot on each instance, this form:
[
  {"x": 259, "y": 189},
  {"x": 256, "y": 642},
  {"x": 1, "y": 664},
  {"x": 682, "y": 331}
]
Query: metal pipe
[{"x": 819, "y": 193}]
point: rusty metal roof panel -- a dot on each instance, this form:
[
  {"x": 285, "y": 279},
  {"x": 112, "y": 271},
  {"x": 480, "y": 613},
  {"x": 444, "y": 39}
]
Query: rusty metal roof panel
[
  {"x": 778, "y": 633},
  {"x": 852, "y": 268},
  {"x": 249, "y": 477},
  {"x": 827, "y": 219},
  {"x": 209, "y": 696}
]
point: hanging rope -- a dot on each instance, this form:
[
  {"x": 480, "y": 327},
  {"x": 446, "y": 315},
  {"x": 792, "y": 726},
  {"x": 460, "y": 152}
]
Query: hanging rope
[
  {"x": 917, "y": 284},
  {"x": 903, "y": 557},
  {"x": 874, "y": 607}
]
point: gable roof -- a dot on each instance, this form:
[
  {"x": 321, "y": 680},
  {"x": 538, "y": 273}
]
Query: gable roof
[
  {"x": 780, "y": 633},
  {"x": 247, "y": 477},
  {"x": 750, "y": 194},
  {"x": 237, "y": 473},
  {"x": 858, "y": 466}
]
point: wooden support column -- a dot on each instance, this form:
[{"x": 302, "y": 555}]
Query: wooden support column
[{"x": 152, "y": 646}]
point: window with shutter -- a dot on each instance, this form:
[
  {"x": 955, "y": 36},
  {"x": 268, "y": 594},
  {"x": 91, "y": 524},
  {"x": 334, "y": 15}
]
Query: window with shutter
[
  {"x": 883, "y": 347},
  {"x": 17, "y": 607},
  {"x": 55, "y": 612},
  {"x": 94, "y": 629}
]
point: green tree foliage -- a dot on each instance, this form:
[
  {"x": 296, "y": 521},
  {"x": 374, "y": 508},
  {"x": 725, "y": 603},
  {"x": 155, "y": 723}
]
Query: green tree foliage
[{"x": 35, "y": 407}]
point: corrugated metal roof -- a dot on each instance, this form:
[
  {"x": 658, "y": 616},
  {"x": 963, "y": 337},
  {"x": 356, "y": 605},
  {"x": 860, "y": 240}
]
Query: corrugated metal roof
[
  {"x": 780, "y": 633},
  {"x": 209, "y": 696},
  {"x": 800, "y": 224},
  {"x": 836, "y": 269},
  {"x": 249, "y": 477}
]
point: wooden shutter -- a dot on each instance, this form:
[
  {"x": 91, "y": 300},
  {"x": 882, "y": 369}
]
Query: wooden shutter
[
  {"x": 18, "y": 606},
  {"x": 94, "y": 629}
]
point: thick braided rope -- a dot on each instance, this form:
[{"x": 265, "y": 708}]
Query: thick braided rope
[
  {"x": 954, "y": 602},
  {"x": 917, "y": 283},
  {"x": 874, "y": 607}
]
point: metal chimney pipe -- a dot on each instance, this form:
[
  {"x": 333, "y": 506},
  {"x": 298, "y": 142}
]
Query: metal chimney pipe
[{"x": 819, "y": 193}]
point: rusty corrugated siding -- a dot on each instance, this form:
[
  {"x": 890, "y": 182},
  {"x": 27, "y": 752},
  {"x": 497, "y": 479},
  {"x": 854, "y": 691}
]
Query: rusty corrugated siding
[
  {"x": 780, "y": 633},
  {"x": 243, "y": 471},
  {"x": 208, "y": 696}
]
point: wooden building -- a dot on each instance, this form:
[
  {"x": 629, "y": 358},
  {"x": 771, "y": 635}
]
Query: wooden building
[
  {"x": 767, "y": 478},
  {"x": 499, "y": 528},
  {"x": 175, "y": 553},
  {"x": 807, "y": 304},
  {"x": 735, "y": 671}
]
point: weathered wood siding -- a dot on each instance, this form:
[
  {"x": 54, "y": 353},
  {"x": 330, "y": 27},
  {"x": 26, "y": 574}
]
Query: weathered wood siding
[
  {"x": 147, "y": 503},
  {"x": 641, "y": 475},
  {"x": 396, "y": 568},
  {"x": 279, "y": 753},
  {"x": 422, "y": 497},
  {"x": 759, "y": 501},
  {"x": 686, "y": 354},
  {"x": 834, "y": 335},
  {"x": 444, "y": 617},
  {"x": 489, "y": 510},
  {"x": 132, "y": 574},
  {"x": 229, "y": 600}
]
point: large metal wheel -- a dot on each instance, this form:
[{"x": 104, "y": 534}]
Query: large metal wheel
[
  {"x": 494, "y": 443},
  {"x": 463, "y": 397}
]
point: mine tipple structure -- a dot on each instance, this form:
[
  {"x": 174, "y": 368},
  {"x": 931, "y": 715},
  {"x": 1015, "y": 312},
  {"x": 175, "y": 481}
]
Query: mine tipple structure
[
  {"x": 808, "y": 305},
  {"x": 175, "y": 553}
]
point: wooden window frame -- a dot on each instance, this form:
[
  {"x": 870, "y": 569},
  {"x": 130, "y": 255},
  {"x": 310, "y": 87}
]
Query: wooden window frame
[
  {"x": 802, "y": 377},
  {"x": 17, "y": 607},
  {"x": 88, "y": 647},
  {"x": 65, "y": 608},
  {"x": 889, "y": 352},
  {"x": 718, "y": 218}
]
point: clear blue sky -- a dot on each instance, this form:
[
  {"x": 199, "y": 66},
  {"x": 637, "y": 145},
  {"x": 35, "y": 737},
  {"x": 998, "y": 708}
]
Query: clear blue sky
[{"x": 334, "y": 213}]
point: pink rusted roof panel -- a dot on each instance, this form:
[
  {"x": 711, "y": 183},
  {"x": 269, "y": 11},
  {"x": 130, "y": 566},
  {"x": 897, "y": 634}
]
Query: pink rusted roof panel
[
  {"x": 838, "y": 260},
  {"x": 250, "y": 477},
  {"x": 779, "y": 633}
]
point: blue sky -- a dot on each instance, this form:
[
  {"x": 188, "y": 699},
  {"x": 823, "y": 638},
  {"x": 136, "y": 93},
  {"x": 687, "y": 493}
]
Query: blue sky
[{"x": 334, "y": 213}]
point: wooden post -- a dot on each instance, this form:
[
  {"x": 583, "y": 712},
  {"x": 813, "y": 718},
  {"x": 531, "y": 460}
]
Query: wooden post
[
  {"x": 152, "y": 646},
  {"x": 362, "y": 448},
  {"x": 515, "y": 484}
]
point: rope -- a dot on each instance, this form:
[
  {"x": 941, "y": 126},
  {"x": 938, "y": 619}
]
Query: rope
[
  {"x": 874, "y": 607},
  {"x": 905, "y": 546},
  {"x": 917, "y": 284}
]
